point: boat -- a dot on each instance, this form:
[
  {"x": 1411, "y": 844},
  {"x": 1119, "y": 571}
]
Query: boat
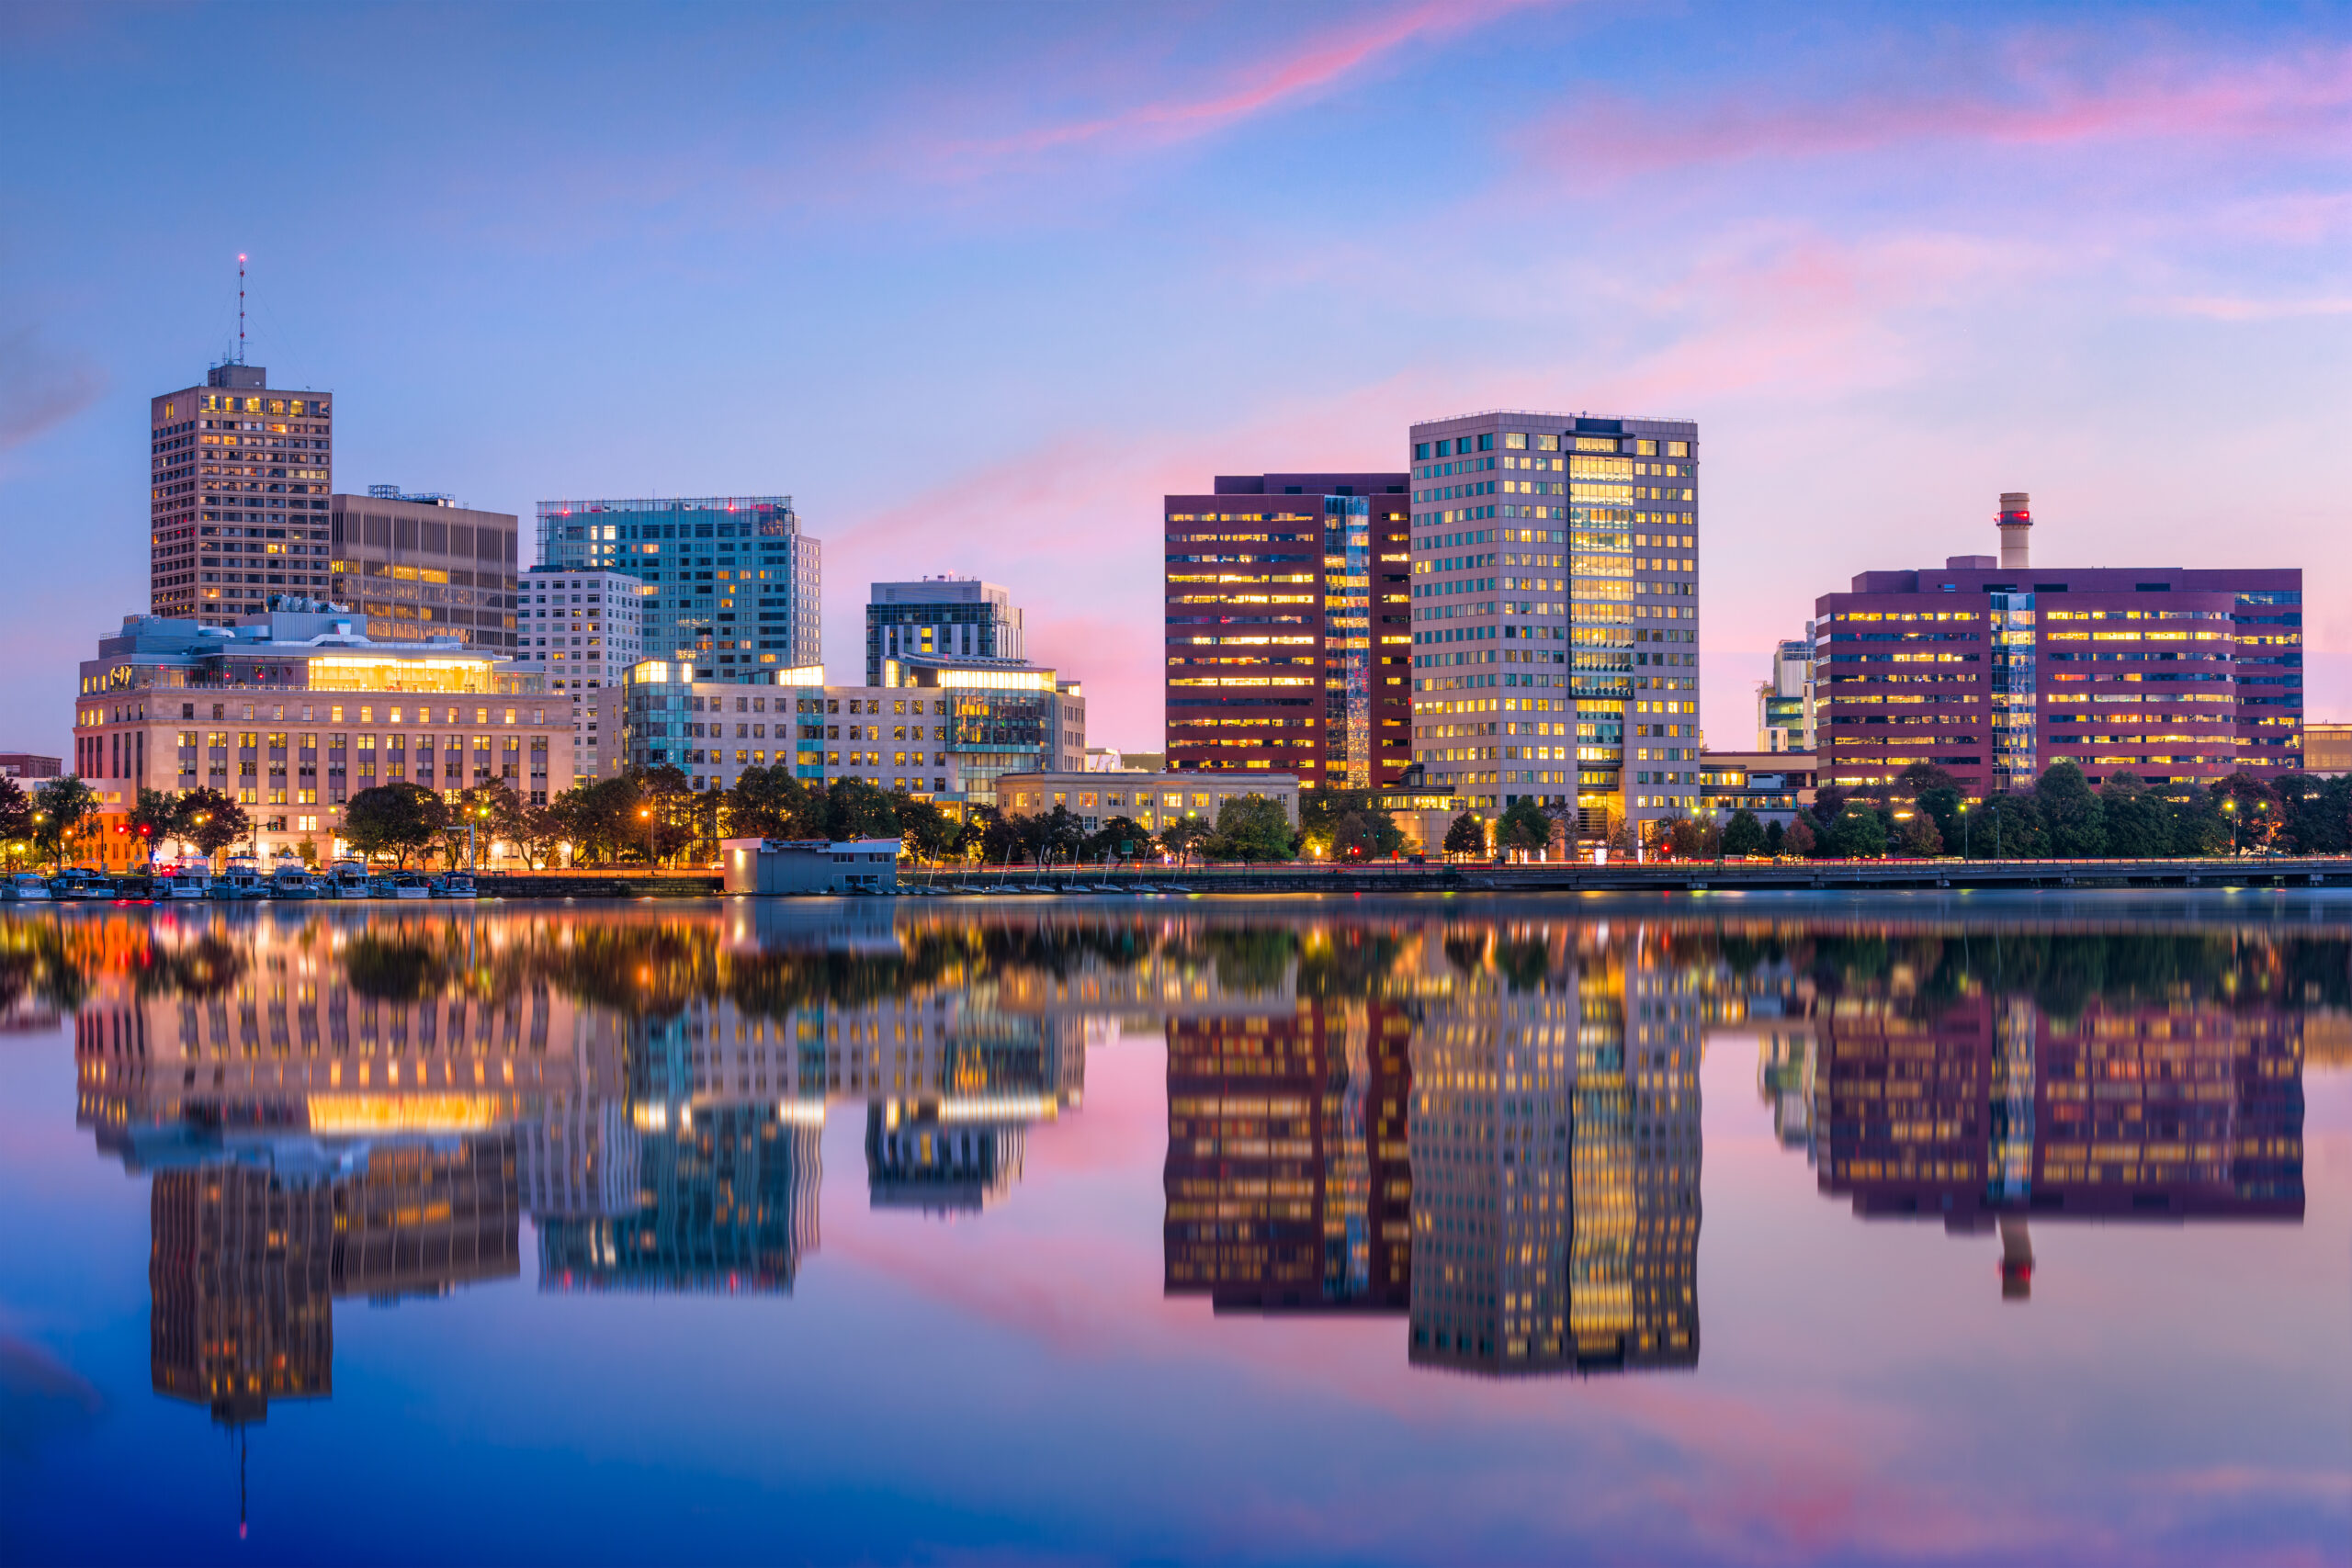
[
  {"x": 348, "y": 879},
  {"x": 456, "y": 885},
  {"x": 293, "y": 882},
  {"x": 187, "y": 882},
  {"x": 25, "y": 887},
  {"x": 242, "y": 880},
  {"x": 77, "y": 883},
  {"x": 399, "y": 885}
]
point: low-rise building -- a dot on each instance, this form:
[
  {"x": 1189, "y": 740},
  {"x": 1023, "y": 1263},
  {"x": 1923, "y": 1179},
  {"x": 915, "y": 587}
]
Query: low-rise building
[
  {"x": 1772, "y": 785},
  {"x": 26, "y": 765},
  {"x": 809, "y": 865},
  {"x": 936, "y": 730},
  {"x": 1150, "y": 800},
  {"x": 2327, "y": 748},
  {"x": 292, "y": 715}
]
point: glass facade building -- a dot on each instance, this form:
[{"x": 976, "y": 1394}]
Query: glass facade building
[
  {"x": 731, "y": 583},
  {"x": 939, "y": 617},
  {"x": 1555, "y": 614}
]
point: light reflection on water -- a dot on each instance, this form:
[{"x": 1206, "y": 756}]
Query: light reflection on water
[{"x": 1384, "y": 1231}]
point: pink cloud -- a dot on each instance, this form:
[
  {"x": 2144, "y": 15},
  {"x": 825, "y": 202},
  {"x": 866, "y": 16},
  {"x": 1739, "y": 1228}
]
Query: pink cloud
[
  {"x": 2034, "y": 103},
  {"x": 1314, "y": 65}
]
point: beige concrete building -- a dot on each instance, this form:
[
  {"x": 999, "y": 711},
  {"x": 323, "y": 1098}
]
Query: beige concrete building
[
  {"x": 2327, "y": 748},
  {"x": 294, "y": 714},
  {"x": 239, "y": 474},
  {"x": 1150, "y": 800},
  {"x": 422, "y": 566}
]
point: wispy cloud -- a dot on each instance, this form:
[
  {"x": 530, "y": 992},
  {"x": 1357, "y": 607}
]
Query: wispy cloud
[
  {"x": 1314, "y": 65},
  {"x": 40, "y": 387},
  {"x": 2035, "y": 99},
  {"x": 2225, "y": 307}
]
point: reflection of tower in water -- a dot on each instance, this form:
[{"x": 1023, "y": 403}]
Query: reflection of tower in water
[{"x": 1556, "y": 1159}]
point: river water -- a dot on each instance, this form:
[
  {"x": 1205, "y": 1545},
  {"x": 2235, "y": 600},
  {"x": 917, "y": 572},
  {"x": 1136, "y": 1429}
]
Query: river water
[{"x": 1768, "y": 1229}]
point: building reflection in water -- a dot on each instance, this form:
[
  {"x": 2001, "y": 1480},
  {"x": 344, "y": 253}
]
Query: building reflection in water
[
  {"x": 1991, "y": 1081},
  {"x": 1485, "y": 1124}
]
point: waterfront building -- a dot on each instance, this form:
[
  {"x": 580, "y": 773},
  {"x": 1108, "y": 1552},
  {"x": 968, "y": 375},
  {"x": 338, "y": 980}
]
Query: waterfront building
[
  {"x": 422, "y": 566},
  {"x": 30, "y": 765},
  {"x": 732, "y": 585},
  {"x": 1995, "y": 671},
  {"x": 582, "y": 630},
  {"x": 940, "y": 617},
  {"x": 1554, "y": 612},
  {"x": 2327, "y": 748},
  {"x": 239, "y": 478},
  {"x": 1784, "y": 704},
  {"x": 1150, "y": 800},
  {"x": 1772, "y": 785},
  {"x": 292, "y": 714},
  {"x": 936, "y": 730},
  {"x": 1287, "y": 628}
]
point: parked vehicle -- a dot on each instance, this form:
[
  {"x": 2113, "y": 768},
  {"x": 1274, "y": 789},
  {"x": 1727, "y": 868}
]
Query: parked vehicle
[
  {"x": 348, "y": 879},
  {"x": 25, "y": 887}
]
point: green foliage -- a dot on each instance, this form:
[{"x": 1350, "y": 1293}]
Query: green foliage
[
  {"x": 1919, "y": 835},
  {"x": 1744, "y": 834},
  {"x": 1348, "y": 824},
  {"x": 1776, "y": 838},
  {"x": 1860, "y": 832},
  {"x": 61, "y": 807},
  {"x": 210, "y": 820},
  {"x": 15, "y": 812},
  {"x": 1185, "y": 836},
  {"x": 396, "y": 819},
  {"x": 2317, "y": 814},
  {"x": 1252, "y": 828},
  {"x": 601, "y": 819},
  {"x": 1467, "y": 836},
  {"x": 1801, "y": 839},
  {"x": 1681, "y": 836},
  {"x": 1523, "y": 827},
  {"x": 2070, "y": 814},
  {"x": 924, "y": 830},
  {"x": 2134, "y": 817},
  {"x": 856, "y": 809},
  {"x": 1121, "y": 837},
  {"x": 2008, "y": 826},
  {"x": 769, "y": 803}
]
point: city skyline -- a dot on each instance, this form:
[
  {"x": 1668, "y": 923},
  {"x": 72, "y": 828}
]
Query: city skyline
[{"x": 1854, "y": 226}]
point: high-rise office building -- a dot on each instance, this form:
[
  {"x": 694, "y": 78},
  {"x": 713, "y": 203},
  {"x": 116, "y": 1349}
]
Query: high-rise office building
[
  {"x": 1784, "y": 703},
  {"x": 731, "y": 582},
  {"x": 239, "y": 474},
  {"x": 949, "y": 617},
  {"x": 583, "y": 630},
  {"x": 1288, "y": 629},
  {"x": 1555, "y": 614},
  {"x": 1993, "y": 671},
  {"x": 422, "y": 566}
]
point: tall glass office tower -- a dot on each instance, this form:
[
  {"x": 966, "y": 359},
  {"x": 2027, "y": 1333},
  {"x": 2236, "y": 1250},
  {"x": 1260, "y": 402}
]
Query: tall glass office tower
[{"x": 731, "y": 584}]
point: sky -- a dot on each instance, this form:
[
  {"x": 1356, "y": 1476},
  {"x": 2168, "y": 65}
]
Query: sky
[{"x": 977, "y": 285}]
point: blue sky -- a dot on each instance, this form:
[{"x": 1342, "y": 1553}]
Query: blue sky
[{"x": 977, "y": 285}]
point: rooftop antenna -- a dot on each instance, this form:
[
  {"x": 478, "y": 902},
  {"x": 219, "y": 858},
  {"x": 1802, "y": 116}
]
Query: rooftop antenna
[{"x": 241, "y": 307}]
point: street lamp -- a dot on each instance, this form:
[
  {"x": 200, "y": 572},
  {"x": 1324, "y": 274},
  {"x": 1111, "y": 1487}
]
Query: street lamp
[
  {"x": 647, "y": 813},
  {"x": 2231, "y": 806},
  {"x": 1964, "y": 830}
]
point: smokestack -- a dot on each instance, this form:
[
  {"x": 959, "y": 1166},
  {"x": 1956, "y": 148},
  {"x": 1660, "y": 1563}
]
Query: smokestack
[{"x": 2016, "y": 523}]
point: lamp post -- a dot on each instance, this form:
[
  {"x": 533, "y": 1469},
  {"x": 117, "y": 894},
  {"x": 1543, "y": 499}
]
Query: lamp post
[
  {"x": 1964, "y": 830},
  {"x": 647, "y": 813},
  {"x": 2230, "y": 807}
]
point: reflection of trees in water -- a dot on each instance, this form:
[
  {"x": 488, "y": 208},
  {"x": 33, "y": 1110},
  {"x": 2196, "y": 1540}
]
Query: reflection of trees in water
[{"x": 659, "y": 967}]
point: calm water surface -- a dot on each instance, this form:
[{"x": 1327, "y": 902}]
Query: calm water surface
[{"x": 1765, "y": 1230}]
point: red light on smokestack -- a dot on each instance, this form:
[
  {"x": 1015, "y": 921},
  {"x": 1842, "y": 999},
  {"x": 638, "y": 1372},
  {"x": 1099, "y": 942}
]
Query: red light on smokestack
[{"x": 2016, "y": 521}]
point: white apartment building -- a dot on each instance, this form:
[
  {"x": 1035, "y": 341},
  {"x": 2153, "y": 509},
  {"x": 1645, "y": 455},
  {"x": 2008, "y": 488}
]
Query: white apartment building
[{"x": 582, "y": 629}]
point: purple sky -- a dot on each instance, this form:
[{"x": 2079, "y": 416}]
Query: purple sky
[{"x": 977, "y": 285}]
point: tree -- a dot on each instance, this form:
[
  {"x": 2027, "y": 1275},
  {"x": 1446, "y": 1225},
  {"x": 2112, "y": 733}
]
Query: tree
[
  {"x": 601, "y": 819},
  {"x": 2249, "y": 808},
  {"x": 2008, "y": 826},
  {"x": 1182, "y": 837},
  {"x": 210, "y": 820},
  {"x": 1776, "y": 837},
  {"x": 1348, "y": 824},
  {"x": 923, "y": 827},
  {"x": 2133, "y": 817},
  {"x": 679, "y": 817},
  {"x": 856, "y": 809},
  {"x": 61, "y": 807},
  {"x": 2315, "y": 813},
  {"x": 537, "y": 834},
  {"x": 1467, "y": 836},
  {"x": 1857, "y": 833},
  {"x": 1253, "y": 827},
  {"x": 396, "y": 819},
  {"x": 2070, "y": 812},
  {"x": 1744, "y": 834},
  {"x": 769, "y": 803},
  {"x": 153, "y": 817},
  {"x": 1801, "y": 839},
  {"x": 1523, "y": 828},
  {"x": 1915, "y": 781},
  {"x": 493, "y": 809},
  {"x": 1120, "y": 838},
  {"x": 1920, "y": 837},
  {"x": 1682, "y": 837}
]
